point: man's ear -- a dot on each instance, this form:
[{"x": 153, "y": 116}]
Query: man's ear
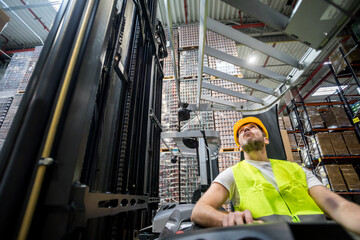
[
  {"x": 240, "y": 149},
  {"x": 266, "y": 141}
]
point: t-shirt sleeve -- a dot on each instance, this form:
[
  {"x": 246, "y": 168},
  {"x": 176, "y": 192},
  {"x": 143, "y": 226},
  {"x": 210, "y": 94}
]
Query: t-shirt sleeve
[
  {"x": 226, "y": 178},
  {"x": 311, "y": 180}
]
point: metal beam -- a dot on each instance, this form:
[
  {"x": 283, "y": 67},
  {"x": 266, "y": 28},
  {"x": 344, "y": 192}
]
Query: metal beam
[
  {"x": 219, "y": 101},
  {"x": 170, "y": 33},
  {"x": 240, "y": 81},
  {"x": 262, "y": 12},
  {"x": 242, "y": 63},
  {"x": 202, "y": 37},
  {"x": 34, "y": 5},
  {"x": 251, "y": 42},
  {"x": 231, "y": 93}
]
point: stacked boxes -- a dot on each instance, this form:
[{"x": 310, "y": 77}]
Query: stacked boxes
[
  {"x": 351, "y": 178},
  {"x": 169, "y": 179},
  {"x": 324, "y": 143},
  {"x": 13, "y": 85},
  {"x": 228, "y": 159},
  {"x": 287, "y": 123},
  {"x": 336, "y": 180},
  {"x": 4, "y": 108},
  {"x": 188, "y": 36},
  {"x": 336, "y": 117},
  {"x": 352, "y": 142},
  {"x": 168, "y": 67},
  {"x": 220, "y": 121},
  {"x": 338, "y": 144},
  {"x": 315, "y": 120}
]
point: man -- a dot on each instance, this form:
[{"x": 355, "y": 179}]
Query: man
[{"x": 268, "y": 190}]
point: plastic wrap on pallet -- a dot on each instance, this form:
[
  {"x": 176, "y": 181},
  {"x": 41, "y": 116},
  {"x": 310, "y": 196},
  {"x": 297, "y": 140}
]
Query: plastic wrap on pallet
[
  {"x": 338, "y": 144},
  {"x": 293, "y": 119},
  {"x": 336, "y": 180},
  {"x": 304, "y": 155},
  {"x": 341, "y": 117},
  {"x": 313, "y": 148},
  {"x": 169, "y": 179},
  {"x": 224, "y": 122},
  {"x": 330, "y": 119},
  {"x": 324, "y": 143},
  {"x": 351, "y": 178},
  {"x": 188, "y": 36},
  {"x": 189, "y": 63},
  {"x": 352, "y": 143},
  {"x": 316, "y": 121},
  {"x": 322, "y": 176}
]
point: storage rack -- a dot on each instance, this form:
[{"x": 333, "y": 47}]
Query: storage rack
[
  {"x": 13, "y": 86},
  {"x": 318, "y": 162}
]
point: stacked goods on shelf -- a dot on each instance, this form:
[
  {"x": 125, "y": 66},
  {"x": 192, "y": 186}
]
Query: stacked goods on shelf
[
  {"x": 322, "y": 176},
  {"x": 188, "y": 36},
  {"x": 10, "y": 115},
  {"x": 202, "y": 120},
  {"x": 352, "y": 142},
  {"x": 338, "y": 144},
  {"x": 168, "y": 67},
  {"x": 336, "y": 180},
  {"x": 335, "y": 117},
  {"x": 169, "y": 179},
  {"x": 313, "y": 148},
  {"x": 351, "y": 178},
  {"x": 4, "y": 108},
  {"x": 228, "y": 159},
  {"x": 226, "y": 45},
  {"x": 314, "y": 120},
  {"x": 169, "y": 106},
  {"x": 324, "y": 143},
  {"x": 189, "y": 63},
  {"x": 224, "y": 123},
  {"x": 30, "y": 69}
]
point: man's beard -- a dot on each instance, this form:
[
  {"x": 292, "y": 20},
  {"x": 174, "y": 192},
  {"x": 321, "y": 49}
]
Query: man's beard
[{"x": 253, "y": 146}]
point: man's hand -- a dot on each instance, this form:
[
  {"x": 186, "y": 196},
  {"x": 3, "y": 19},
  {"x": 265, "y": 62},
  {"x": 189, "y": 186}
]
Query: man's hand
[{"x": 238, "y": 218}]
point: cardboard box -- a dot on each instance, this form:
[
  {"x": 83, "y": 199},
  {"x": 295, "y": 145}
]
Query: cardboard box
[
  {"x": 330, "y": 119},
  {"x": 281, "y": 124},
  {"x": 341, "y": 117},
  {"x": 325, "y": 146},
  {"x": 287, "y": 146},
  {"x": 336, "y": 180},
  {"x": 287, "y": 123},
  {"x": 4, "y": 19},
  {"x": 352, "y": 142},
  {"x": 292, "y": 142},
  {"x": 338, "y": 144},
  {"x": 351, "y": 178},
  {"x": 316, "y": 122}
]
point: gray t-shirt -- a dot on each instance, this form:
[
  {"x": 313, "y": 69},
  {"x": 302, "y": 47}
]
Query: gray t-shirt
[{"x": 226, "y": 178}]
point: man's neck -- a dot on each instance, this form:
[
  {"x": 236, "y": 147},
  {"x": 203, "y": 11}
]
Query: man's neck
[{"x": 257, "y": 155}]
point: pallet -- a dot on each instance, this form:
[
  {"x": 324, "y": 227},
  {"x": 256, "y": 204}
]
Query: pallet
[
  {"x": 169, "y": 78},
  {"x": 188, "y": 48},
  {"x": 235, "y": 75},
  {"x": 228, "y": 150}
]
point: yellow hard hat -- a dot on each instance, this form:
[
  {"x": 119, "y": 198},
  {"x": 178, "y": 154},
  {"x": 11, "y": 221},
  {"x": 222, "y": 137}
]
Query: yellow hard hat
[{"x": 247, "y": 120}]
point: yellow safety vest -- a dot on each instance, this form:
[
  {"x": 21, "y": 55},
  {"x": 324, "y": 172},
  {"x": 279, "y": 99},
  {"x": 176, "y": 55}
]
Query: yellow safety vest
[{"x": 292, "y": 203}]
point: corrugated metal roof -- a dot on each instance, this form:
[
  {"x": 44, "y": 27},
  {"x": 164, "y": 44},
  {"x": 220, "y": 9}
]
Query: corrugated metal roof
[
  {"x": 218, "y": 10},
  {"x": 24, "y": 30}
]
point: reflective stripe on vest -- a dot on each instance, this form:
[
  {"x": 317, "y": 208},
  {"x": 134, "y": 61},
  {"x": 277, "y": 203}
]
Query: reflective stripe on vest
[{"x": 291, "y": 203}]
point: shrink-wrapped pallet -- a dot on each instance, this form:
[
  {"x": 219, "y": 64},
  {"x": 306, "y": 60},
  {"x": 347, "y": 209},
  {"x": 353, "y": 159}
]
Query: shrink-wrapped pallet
[
  {"x": 351, "y": 178},
  {"x": 336, "y": 180},
  {"x": 352, "y": 142},
  {"x": 324, "y": 143}
]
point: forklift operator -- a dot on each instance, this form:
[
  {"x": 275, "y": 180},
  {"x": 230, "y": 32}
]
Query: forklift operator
[{"x": 269, "y": 190}]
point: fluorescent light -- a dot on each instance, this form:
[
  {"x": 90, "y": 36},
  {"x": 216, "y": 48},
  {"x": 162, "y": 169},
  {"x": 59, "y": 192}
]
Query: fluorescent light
[
  {"x": 252, "y": 59},
  {"x": 327, "y": 90},
  {"x": 327, "y": 63}
]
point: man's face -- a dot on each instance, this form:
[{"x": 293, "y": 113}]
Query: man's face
[{"x": 251, "y": 138}]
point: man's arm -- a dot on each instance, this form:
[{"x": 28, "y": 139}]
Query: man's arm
[
  {"x": 205, "y": 212},
  {"x": 339, "y": 209}
]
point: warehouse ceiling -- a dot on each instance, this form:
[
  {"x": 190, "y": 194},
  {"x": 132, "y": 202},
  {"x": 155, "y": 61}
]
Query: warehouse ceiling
[
  {"x": 31, "y": 20},
  {"x": 188, "y": 12}
]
